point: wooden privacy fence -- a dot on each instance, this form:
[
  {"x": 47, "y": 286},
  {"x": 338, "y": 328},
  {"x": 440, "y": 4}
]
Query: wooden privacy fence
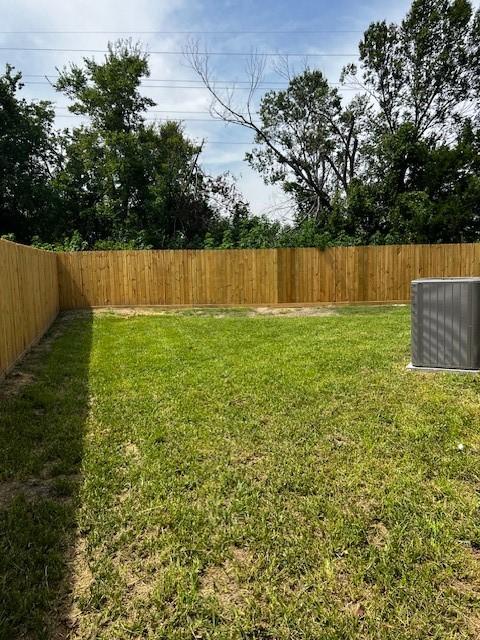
[
  {"x": 35, "y": 284},
  {"x": 379, "y": 274},
  {"x": 28, "y": 299}
]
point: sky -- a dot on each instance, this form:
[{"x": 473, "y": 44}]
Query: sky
[{"x": 232, "y": 29}]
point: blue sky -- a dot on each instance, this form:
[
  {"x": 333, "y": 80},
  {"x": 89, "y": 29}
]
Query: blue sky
[{"x": 338, "y": 25}]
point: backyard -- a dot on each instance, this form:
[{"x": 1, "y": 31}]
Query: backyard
[{"x": 229, "y": 474}]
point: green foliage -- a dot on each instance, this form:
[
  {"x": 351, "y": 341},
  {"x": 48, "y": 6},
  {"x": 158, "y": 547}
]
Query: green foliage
[
  {"x": 108, "y": 92},
  {"x": 27, "y": 153},
  {"x": 422, "y": 70},
  {"x": 422, "y": 166},
  {"x": 72, "y": 243},
  {"x": 308, "y": 142},
  {"x": 399, "y": 163},
  {"x": 125, "y": 183}
]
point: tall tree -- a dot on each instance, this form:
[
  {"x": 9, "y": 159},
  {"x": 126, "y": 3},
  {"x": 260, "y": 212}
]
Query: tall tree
[
  {"x": 422, "y": 77},
  {"x": 124, "y": 180},
  {"x": 108, "y": 92},
  {"x": 28, "y": 156},
  {"x": 423, "y": 71},
  {"x": 308, "y": 141}
]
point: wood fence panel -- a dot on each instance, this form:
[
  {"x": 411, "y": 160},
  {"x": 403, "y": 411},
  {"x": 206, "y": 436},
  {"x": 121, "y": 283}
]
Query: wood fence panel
[
  {"x": 28, "y": 299},
  {"x": 257, "y": 276},
  {"x": 34, "y": 284}
]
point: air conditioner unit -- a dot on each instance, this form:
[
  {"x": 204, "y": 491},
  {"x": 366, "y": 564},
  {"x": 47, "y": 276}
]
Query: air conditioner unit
[{"x": 446, "y": 324}]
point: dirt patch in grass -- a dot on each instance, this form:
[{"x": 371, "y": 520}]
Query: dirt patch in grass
[
  {"x": 76, "y": 588},
  {"x": 138, "y": 578},
  {"x": 338, "y": 440},
  {"x": 474, "y": 626},
  {"x": 30, "y": 489},
  {"x": 468, "y": 586},
  {"x": 223, "y": 581},
  {"x": 218, "y": 312},
  {"x": 248, "y": 458},
  {"x": 292, "y": 312},
  {"x": 378, "y": 536},
  {"x": 82, "y": 577},
  {"x": 132, "y": 451},
  {"x": 15, "y": 382},
  {"x": 58, "y": 488},
  {"x": 24, "y": 372},
  {"x": 355, "y": 609},
  {"x": 133, "y": 311}
]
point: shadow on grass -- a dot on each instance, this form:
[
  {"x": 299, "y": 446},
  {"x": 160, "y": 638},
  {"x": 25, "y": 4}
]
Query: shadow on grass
[{"x": 44, "y": 405}]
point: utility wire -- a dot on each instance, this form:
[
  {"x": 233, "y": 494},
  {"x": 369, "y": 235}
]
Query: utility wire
[
  {"x": 81, "y": 115},
  {"x": 255, "y": 54},
  {"x": 179, "y": 86},
  {"x": 232, "y": 32},
  {"x": 197, "y": 81},
  {"x": 176, "y": 86},
  {"x": 220, "y": 83},
  {"x": 152, "y": 110}
]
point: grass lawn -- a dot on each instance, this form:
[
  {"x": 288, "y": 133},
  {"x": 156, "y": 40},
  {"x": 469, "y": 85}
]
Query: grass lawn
[{"x": 190, "y": 476}]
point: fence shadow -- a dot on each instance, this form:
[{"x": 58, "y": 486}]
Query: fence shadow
[{"x": 44, "y": 405}]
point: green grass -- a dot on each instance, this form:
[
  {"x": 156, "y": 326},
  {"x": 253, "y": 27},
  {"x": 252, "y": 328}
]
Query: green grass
[{"x": 237, "y": 477}]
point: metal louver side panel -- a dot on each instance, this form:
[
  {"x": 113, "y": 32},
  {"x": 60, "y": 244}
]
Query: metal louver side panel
[
  {"x": 446, "y": 323},
  {"x": 417, "y": 351}
]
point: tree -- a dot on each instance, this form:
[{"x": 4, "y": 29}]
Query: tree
[
  {"x": 28, "y": 156},
  {"x": 423, "y": 71},
  {"x": 422, "y": 77},
  {"x": 362, "y": 169},
  {"x": 123, "y": 180},
  {"x": 307, "y": 141},
  {"x": 108, "y": 92},
  {"x": 313, "y": 142}
]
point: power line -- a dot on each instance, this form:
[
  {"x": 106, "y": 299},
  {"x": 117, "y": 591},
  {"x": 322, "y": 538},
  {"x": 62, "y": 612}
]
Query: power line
[
  {"x": 176, "y": 86},
  {"x": 166, "y": 119},
  {"x": 260, "y": 87},
  {"x": 228, "y": 142},
  {"x": 195, "y": 80},
  {"x": 231, "y": 32},
  {"x": 80, "y": 115},
  {"x": 150, "y": 110},
  {"x": 274, "y": 83},
  {"x": 219, "y": 84},
  {"x": 255, "y": 54}
]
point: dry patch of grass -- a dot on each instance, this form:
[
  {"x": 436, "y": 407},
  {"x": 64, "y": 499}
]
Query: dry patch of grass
[
  {"x": 218, "y": 312},
  {"x": 15, "y": 382},
  {"x": 132, "y": 451},
  {"x": 224, "y": 582},
  {"x": 293, "y": 312},
  {"x": 378, "y": 535},
  {"x": 59, "y": 488}
]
